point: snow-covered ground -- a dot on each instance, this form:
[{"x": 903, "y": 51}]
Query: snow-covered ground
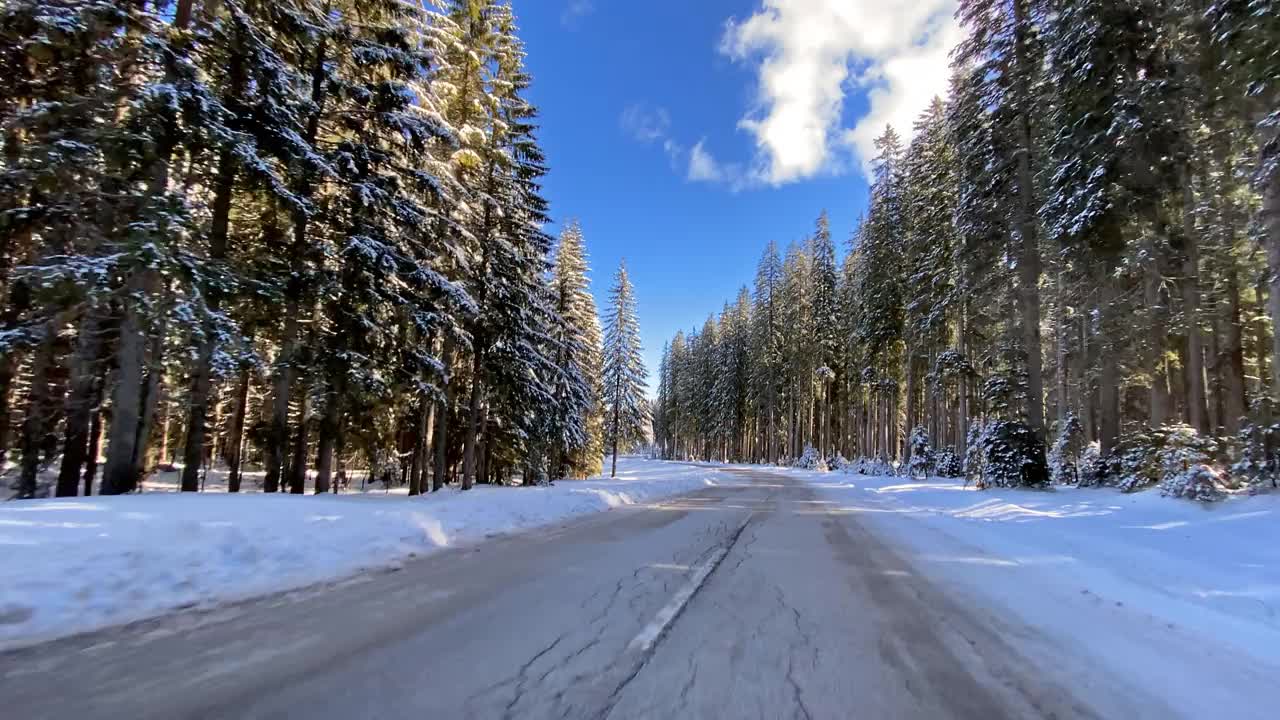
[
  {"x": 1166, "y": 593},
  {"x": 76, "y": 564}
]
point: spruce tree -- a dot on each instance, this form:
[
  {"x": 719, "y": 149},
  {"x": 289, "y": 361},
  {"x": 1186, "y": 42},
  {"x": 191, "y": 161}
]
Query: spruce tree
[{"x": 627, "y": 409}]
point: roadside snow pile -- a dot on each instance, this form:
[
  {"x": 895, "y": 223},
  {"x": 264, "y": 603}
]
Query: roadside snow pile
[
  {"x": 1140, "y": 582},
  {"x": 77, "y": 564}
]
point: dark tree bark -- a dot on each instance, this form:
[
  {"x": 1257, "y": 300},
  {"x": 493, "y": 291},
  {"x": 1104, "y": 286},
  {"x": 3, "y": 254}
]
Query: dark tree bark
[
  {"x": 473, "y": 419},
  {"x": 118, "y": 476},
  {"x": 298, "y": 465},
  {"x": 38, "y": 410},
  {"x": 442, "y": 433},
  {"x": 1197, "y": 404},
  {"x": 95, "y": 445},
  {"x": 84, "y": 381},
  {"x": 235, "y": 435}
]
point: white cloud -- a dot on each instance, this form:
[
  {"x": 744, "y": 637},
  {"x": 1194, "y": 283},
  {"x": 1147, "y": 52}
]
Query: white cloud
[
  {"x": 703, "y": 167},
  {"x": 651, "y": 125},
  {"x": 575, "y": 11},
  {"x": 644, "y": 123},
  {"x": 811, "y": 52}
]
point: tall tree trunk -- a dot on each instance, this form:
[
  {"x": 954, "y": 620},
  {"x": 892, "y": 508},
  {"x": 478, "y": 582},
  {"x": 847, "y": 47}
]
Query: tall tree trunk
[
  {"x": 95, "y": 443},
  {"x": 18, "y": 302},
  {"x": 1060, "y": 346},
  {"x": 1233, "y": 390},
  {"x": 616, "y": 424},
  {"x": 1260, "y": 345},
  {"x": 1269, "y": 216},
  {"x": 39, "y": 410},
  {"x": 1196, "y": 401},
  {"x": 278, "y": 435},
  {"x": 79, "y": 403},
  {"x": 442, "y": 434},
  {"x": 419, "y": 440},
  {"x": 1109, "y": 377},
  {"x": 328, "y": 439},
  {"x": 235, "y": 436},
  {"x": 298, "y": 465},
  {"x": 152, "y": 390},
  {"x": 126, "y": 401},
  {"x": 1157, "y": 329},
  {"x": 130, "y": 419},
  {"x": 473, "y": 419}
]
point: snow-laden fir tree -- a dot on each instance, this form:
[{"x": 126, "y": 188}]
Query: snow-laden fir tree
[
  {"x": 579, "y": 338},
  {"x": 626, "y": 407}
]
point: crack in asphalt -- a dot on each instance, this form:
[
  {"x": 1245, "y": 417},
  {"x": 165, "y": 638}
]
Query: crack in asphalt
[
  {"x": 652, "y": 648},
  {"x": 522, "y": 675}
]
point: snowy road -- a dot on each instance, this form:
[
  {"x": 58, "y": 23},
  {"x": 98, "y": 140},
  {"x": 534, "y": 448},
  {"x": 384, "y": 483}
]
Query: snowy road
[{"x": 751, "y": 599}]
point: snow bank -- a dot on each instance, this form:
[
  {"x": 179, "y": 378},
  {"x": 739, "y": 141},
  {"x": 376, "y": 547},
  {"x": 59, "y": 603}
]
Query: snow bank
[
  {"x": 1172, "y": 594},
  {"x": 76, "y": 564}
]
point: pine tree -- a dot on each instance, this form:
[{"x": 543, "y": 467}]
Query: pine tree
[
  {"x": 624, "y": 372},
  {"x": 579, "y": 340}
]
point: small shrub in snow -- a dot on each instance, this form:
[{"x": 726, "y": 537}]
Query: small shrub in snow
[
  {"x": 870, "y": 467},
  {"x": 920, "y": 454},
  {"x": 1259, "y": 452},
  {"x": 1176, "y": 458},
  {"x": 810, "y": 460},
  {"x": 1064, "y": 458},
  {"x": 838, "y": 463},
  {"x": 1007, "y": 453},
  {"x": 1150, "y": 456},
  {"x": 947, "y": 464},
  {"x": 1199, "y": 482},
  {"x": 1093, "y": 469}
]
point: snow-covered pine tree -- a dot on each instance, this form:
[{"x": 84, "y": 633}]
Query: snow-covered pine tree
[
  {"x": 627, "y": 409},
  {"x": 766, "y": 350},
  {"x": 826, "y": 326},
  {"x": 578, "y": 336}
]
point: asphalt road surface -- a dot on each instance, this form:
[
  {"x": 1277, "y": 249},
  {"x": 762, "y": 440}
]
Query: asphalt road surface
[{"x": 749, "y": 600}]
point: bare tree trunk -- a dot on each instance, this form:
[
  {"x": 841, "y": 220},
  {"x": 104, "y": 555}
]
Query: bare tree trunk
[
  {"x": 1270, "y": 221},
  {"x": 442, "y": 434},
  {"x": 473, "y": 420},
  {"x": 328, "y": 439},
  {"x": 95, "y": 444},
  {"x": 18, "y": 301},
  {"x": 1109, "y": 378},
  {"x": 419, "y": 440},
  {"x": 1157, "y": 328},
  {"x": 278, "y": 436},
  {"x": 298, "y": 465},
  {"x": 79, "y": 404},
  {"x": 911, "y": 394},
  {"x": 131, "y": 401},
  {"x": 235, "y": 438},
  {"x": 1261, "y": 348},
  {"x": 1196, "y": 400},
  {"x": 38, "y": 411},
  {"x": 126, "y": 402},
  {"x": 151, "y": 394}
]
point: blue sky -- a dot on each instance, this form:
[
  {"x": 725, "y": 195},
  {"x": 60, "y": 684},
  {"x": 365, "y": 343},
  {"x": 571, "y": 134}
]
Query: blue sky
[{"x": 687, "y": 134}]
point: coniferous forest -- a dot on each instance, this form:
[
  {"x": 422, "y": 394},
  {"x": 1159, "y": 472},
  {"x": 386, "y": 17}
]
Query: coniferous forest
[
  {"x": 301, "y": 235},
  {"x": 1070, "y": 273}
]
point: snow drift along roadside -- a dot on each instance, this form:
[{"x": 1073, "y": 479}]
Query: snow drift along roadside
[
  {"x": 1153, "y": 592},
  {"x": 78, "y": 564}
]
